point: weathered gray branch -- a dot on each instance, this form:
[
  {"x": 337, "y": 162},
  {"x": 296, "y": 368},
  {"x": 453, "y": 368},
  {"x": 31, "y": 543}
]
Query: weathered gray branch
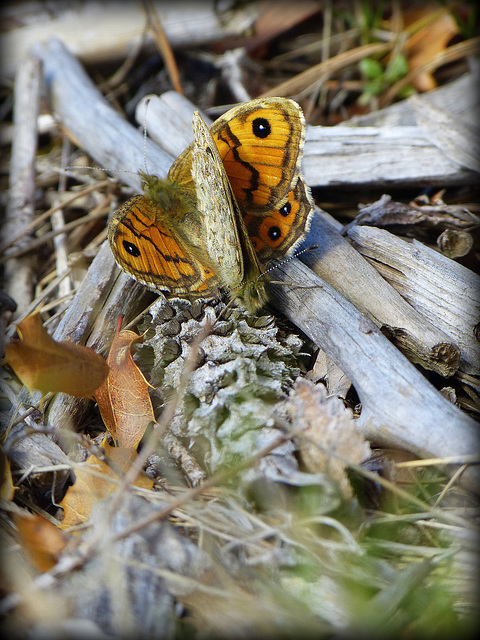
[
  {"x": 363, "y": 155},
  {"x": 100, "y": 31},
  {"x": 439, "y": 288},
  {"x": 399, "y": 407}
]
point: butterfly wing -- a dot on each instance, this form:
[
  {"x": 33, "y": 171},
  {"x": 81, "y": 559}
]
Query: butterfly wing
[
  {"x": 216, "y": 202},
  {"x": 226, "y": 237},
  {"x": 282, "y": 229},
  {"x": 261, "y": 145},
  {"x": 149, "y": 251}
]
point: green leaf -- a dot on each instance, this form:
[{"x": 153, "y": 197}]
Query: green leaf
[
  {"x": 371, "y": 68},
  {"x": 398, "y": 68}
]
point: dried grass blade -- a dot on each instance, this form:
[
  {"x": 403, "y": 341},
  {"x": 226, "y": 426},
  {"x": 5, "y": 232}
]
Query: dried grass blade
[{"x": 312, "y": 76}]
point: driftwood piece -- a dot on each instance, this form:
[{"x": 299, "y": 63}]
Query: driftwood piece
[
  {"x": 343, "y": 268},
  {"x": 335, "y": 261},
  {"x": 439, "y": 288},
  {"x": 21, "y": 196},
  {"x": 168, "y": 121},
  {"x": 101, "y": 31},
  {"x": 35, "y": 451},
  {"x": 399, "y": 407},
  {"x": 422, "y": 155},
  {"x": 456, "y": 140},
  {"x": 340, "y": 155},
  {"x": 406, "y": 410}
]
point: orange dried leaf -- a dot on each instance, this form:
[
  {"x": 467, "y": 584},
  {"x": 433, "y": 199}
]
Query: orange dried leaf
[
  {"x": 90, "y": 488},
  {"x": 7, "y": 488},
  {"x": 43, "y": 364},
  {"x": 40, "y": 539},
  {"x": 123, "y": 399},
  {"x": 426, "y": 43},
  {"x": 106, "y": 411}
]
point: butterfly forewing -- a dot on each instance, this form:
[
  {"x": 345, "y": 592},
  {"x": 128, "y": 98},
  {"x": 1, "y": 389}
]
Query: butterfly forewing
[
  {"x": 147, "y": 250},
  {"x": 261, "y": 145}
]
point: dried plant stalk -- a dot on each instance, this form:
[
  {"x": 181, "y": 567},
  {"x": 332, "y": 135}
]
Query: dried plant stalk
[{"x": 20, "y": 206}]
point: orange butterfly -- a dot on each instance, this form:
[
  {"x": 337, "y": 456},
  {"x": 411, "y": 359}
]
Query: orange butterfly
[{"x": 233, "y": 200}]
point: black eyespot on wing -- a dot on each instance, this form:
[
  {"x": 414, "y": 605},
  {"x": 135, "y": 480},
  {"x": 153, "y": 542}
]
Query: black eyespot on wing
[
  {"x": 285, "y": 210},
  {"x": 274, "y": 233},
  {"x": 261, "y": 128},
  {"x": 132, "y": 249}
]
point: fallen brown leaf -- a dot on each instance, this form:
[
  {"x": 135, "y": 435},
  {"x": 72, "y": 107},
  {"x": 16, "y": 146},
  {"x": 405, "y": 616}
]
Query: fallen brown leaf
[
  {"x": 43, "y": 364},
  {"x": 40, "y": 539},
  {"x": 427, "y": 42},
  {"x": 89, "y": 487},
  {"x": 123, "y": 398}
]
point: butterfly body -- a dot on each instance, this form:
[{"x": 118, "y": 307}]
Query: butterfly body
[{"x": 233, "y": 200}]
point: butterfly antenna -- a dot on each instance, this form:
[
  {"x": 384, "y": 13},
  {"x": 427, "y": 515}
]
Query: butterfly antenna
[
  {"x": 73, "y": 166},
  {"x": 289, "y": 259},
  {"x": 147, "y": 102}
]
